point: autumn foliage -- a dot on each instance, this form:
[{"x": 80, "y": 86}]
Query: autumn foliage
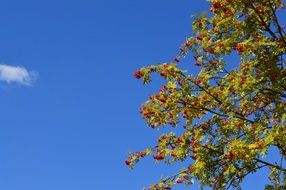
[{"x": 232, "y": 113}]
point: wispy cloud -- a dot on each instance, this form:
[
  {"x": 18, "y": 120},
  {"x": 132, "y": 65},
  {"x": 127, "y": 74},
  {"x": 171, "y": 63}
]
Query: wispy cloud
[{"x": 16, "y": 74}]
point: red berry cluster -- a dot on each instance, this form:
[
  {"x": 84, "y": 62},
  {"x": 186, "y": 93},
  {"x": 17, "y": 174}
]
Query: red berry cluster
[
  {"x": 239, "y": 48},
  {"x": 216, "y": 6},
  {"x": 209, "y": 50},
  {"x": 159, "y": 156},
  {"x": 230, "y": 155}
]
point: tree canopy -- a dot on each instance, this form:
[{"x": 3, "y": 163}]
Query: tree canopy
[{"x": 231, "y": 113}]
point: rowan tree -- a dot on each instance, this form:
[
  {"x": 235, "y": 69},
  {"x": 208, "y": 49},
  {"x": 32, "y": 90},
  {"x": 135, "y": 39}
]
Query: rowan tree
[{"x": 231, "y": 113}]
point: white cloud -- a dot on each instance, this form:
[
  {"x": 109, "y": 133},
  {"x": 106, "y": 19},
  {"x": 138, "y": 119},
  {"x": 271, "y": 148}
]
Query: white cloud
[{"x": 16, "y": 74}]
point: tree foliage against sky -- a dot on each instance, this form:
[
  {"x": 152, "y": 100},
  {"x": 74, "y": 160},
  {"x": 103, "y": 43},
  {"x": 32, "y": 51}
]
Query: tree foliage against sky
[{"x": 232, "y": 113}]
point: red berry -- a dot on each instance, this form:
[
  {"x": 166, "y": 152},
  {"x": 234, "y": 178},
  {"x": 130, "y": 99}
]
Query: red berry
[
  {"x": 213, "y": 62},
  {"x": 198, "y": 63},
  {"x": 177, "y": 59},
  {"x": 204, "y": 126},
  {"x": 198, "y": 80},
  {"x": 138, "y": 74},
  {"x": 127, "y": 162},
  {"x": 260, "y": 10},
  {"x": 187, "y": 44},
  {"x": 199, "y": 38},
  {"x": 241, "y": 81},
  {"x": 163, "y": 74},
  {"x": 179, "y": 140},
  {"x": 230, "y": 155},
  {"x": 142, "y": 154},
  {"x": 209, "y": 49},
  {"x": 191, "y": 169},
  {"x": 183, "y": 50},
  {"x": 239, "y": 48},
  {"x": 147, "y": 114},
  {"x": 179, "y": 180},
  {"x": 159, "y": 156},
  {"x": 216, "y": 5},
  {"x": 174, "y": 155}
]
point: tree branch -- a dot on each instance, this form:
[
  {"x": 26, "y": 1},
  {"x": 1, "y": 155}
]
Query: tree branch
[{"x": 270, "y": 164}]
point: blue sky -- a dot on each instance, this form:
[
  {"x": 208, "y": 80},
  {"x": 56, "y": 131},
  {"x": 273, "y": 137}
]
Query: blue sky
[{"x": 71, "y": 123}]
